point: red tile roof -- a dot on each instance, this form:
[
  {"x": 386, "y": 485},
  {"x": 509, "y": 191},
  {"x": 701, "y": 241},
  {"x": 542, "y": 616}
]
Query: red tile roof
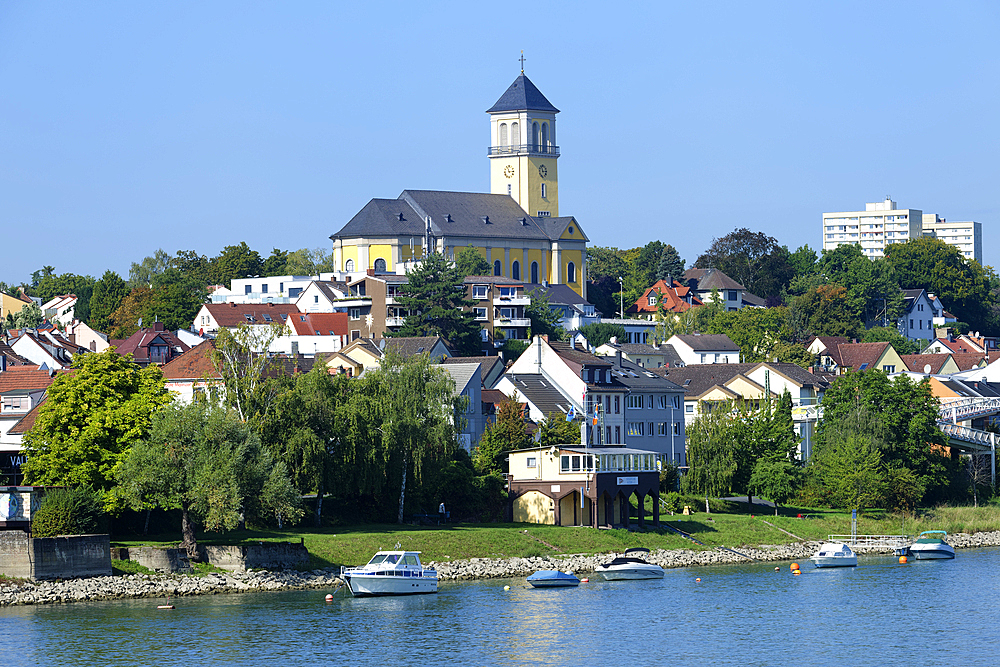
[
  {"x": 319, "y": 324},
  {"x": 138, "y": 344},
  {"x": 674, "y": 297},
  {"x": 24, "y": 378},
  {"x": 233, "y": 314},
  {"x": 194, "y": 364},
  {"x": 856, "y": 355},
  {"x": 25, "y": 423},
  {"x": 918, "y": 362}
]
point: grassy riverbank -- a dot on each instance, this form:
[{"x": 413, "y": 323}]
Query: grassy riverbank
[{"x": 351, "y": 545}]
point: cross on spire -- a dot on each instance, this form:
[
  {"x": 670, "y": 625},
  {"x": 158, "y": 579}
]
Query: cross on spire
[{"x": 522, "y": 61}]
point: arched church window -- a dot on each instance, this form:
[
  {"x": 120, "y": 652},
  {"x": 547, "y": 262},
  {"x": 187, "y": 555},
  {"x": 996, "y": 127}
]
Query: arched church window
[
  {"x": 515, "y": 134},
  {"x": 534, "y": 135},
  {"x": 379, "y": 265},
  {"x": 545, "y": 134},
  {"x": 497, "y": 268},
  {"x": 534, "y": 272},
  {"x": 571, "y": 273},
  {"x": 515, "y": 270},
  {"x": 349, "y": 265},
  {"x": 503, "y": 134}
]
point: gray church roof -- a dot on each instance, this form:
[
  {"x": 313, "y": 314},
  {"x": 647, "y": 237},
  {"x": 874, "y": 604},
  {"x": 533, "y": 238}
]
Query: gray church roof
[
  {"x": 384, "y": 217},
  {"x": 522, "y": 96}
]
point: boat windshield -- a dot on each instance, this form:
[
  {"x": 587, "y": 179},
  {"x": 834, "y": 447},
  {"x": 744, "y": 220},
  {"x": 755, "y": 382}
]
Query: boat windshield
[
  {"x": 410, "y": 559},
  {"x": 377, "y": 559},
  {"x": 392, "y": 559}
]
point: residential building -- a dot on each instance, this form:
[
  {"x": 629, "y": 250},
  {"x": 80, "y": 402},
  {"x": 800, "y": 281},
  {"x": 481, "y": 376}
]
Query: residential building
[
  {"x": 705, "y": 348},
  {"x": 151, "y": 345},
  {"x": 879, "y": 225},
  {"x": 636, "y": 331},
  {"x": 22, "y": 389},
  {"x": 706, "y": 385},
  {"x": 322, "y": 296},
  {"x": 46, "y": 348},
  {"x": 575, "y": 311},
  {"x": 11, "y": 305},
  {"x": 499, "y": 308},
  {"x": 917, "y": 321},
  {"x": 469, "y": 385},
  {"x": 704, "y": 283},
  {"x": 270, "y": 289},
  {"x": 646, "y": 356},
  {"x": 865, "y": 356},
  {"x": 81, "y": 334},
  {"x": 883, "y": 223},
  {"x": 215, "y": 316},
  {"x": 433, "y": 346},
  {"x": 491, "y": 368},
  {"x": 674, "y": 298},
  {"x": 654, "y": 411},
  {"x": 372, "y": 305},
  {"x": 61, "y": 309},
  {"x": 931, "y": 364},
  {"x": 966, "y": 236},
  {"x": 312, "y": 334},
  {"x": 517, "y": 227},
  {"x": 192, "y": 373}
]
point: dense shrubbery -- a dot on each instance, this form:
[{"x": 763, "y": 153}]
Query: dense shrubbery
[{"x": 68, "y": 512}]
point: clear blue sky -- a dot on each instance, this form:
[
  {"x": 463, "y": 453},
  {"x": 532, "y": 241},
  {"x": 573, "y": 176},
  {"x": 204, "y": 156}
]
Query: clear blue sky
[{"x": 131, "y": 126}]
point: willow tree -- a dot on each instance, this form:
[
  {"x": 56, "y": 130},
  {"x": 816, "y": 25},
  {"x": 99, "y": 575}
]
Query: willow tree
[
  {"x": 712, "y": 458},
  {"x": 206, "y": 462},
  {"x": 241, "y": 359},
  {"x": 419, "y": 412}
]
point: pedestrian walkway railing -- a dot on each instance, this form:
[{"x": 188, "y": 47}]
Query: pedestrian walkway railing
[{"x": 874, "y": 541}]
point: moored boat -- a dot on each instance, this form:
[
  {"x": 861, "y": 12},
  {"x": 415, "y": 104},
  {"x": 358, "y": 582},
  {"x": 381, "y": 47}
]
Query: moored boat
[
  {"x": 929, "y": 547},
  {"x": 391, "y": 573},
  {"x": 552, "y": 579},
  {"x": 631, "y": 565},
  {"x": 834, "y": 554}
]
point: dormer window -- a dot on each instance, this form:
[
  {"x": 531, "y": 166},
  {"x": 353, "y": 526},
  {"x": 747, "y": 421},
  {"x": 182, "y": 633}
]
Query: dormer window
[
  {"x": 15, "y": 403},
  {"x": 652, "y": 299}
]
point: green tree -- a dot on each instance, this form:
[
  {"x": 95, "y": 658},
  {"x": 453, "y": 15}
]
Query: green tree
[
  {"x": 775, "y": 480},
  {"x": 194, "y": 267},
  {"x": 599, "y": 333},
  {"x": 757, "y": 331},
  {"x": 419, "y": 413},
  {"x": 142, "y": 273},
  {"x": 752, "y": 259},
  {"x": 311, "y": 434},
  {"x": 201, "y": 459},
  {"x": 604, "y": 267},
  {"x": 850, "y": 472},
  {"x": 435, "y": 297},
  {"x": 504, "y": 434},
  {"x": 109, "y": 292},
  {"x": 792, "y": 353},
  {"x": 247, "y": 371},
  {"x": 965, "y": 288},
  {"x": 712, "y": 456},
  {"x": 544, "y": 320},
  {"x": 51, "y": 286},
  {"x": 671, "y": 265},
  {"x": 309, "y": 262},
  {"x": 235, "y": 261},
  {"x": 470, "y": 262},
  {"x": 90, "y": 419},
  {"x": 828, "y": 312},
  {"x": 275, "y": 264},
  {"x": 555, "y": 430},
  {"x": 124, "y": 321},
  {"x": 29, "y": 317},
  {"x": 803, "y": 260}
]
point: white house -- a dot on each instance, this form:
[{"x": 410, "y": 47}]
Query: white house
[
  {"x": 917, "y": 321},
  {"x": 269, "y": 289},
  {"x": 705, "y": 348},
  {"x": 60, "y": 309}
]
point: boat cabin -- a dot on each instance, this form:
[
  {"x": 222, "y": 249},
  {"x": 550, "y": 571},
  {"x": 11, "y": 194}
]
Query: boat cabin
[{"x": 573, "y": 485}]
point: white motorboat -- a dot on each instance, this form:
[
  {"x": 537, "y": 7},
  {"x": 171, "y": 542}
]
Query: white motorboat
[
  {"x": 630, "y": 566},
  {"x": 834, "y": 554},
  {"x": 928, "y": 547},
  {"x": 391, "y": 573}
]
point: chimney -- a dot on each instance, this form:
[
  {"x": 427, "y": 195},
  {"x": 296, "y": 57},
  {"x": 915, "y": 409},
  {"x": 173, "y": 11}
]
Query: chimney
[
  {"x": 158, "y": 326},
  {"x": 544, "y": 337}
]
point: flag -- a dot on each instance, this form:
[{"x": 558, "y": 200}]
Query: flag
[{"x": 571, "y": 415}]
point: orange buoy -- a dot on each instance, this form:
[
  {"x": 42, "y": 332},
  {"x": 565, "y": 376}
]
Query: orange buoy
[
  {"x": 795, "y": 566},
  {"x": 902, "y": 559},
  {"x": 698, "y": 579},
  {"x": 796, "y": 572}
]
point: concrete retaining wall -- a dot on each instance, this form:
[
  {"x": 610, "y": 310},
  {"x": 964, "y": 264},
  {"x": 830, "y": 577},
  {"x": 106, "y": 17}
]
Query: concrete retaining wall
[
  {"x": 65, "y": 557},
  {"x": 282, "y": 555},
  {"x": 158, "y": 560},
  {"x": 70, "y": 556},
  {"x": 14, "y": 560}
]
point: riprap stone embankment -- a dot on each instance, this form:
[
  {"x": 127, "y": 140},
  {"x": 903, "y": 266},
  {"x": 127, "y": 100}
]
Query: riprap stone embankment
[{"x": 163, "y": 586}]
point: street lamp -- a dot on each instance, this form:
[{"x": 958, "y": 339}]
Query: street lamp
[{"x": 621, "y": 297}]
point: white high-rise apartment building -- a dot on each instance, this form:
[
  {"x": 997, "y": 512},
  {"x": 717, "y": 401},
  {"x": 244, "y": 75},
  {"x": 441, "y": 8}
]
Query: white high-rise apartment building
[
  {"x": 883, "y": 223},
  {"x": 966, "y": 236},
  {"x": 880, "y": 224}
]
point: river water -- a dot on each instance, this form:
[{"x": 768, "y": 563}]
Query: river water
[{"x": 921, "y": 613}]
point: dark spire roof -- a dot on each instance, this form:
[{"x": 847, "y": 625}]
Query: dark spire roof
[{"x": 521, "y": 96}]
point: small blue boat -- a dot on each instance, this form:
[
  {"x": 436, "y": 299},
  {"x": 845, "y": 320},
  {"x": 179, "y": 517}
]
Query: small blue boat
[{"x": 552, "y": 579}]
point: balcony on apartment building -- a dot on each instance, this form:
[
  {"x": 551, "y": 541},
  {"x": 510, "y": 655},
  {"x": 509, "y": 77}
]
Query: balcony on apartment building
[
  {"x": 519, "y": 300},
  {"x": 511, "y": 322}
]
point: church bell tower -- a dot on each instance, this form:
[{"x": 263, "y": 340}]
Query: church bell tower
[{"x": 523, "y": 150}]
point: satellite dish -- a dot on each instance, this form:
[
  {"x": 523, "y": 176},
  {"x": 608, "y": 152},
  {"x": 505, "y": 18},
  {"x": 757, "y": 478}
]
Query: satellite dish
[{"x": 927, "y": 368}]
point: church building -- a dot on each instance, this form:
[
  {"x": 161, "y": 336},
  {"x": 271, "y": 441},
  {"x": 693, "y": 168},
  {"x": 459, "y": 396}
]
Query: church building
[{"x": 517, "y": 227}]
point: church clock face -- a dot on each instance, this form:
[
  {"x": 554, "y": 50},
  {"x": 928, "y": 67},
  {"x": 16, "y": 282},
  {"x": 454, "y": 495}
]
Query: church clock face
[
  {"x": 508, "y": 171},
  {"x": 542, "y": 171}
]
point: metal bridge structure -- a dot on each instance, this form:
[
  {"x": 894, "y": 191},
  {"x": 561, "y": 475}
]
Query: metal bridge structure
[{"x": 970, "y": 440}]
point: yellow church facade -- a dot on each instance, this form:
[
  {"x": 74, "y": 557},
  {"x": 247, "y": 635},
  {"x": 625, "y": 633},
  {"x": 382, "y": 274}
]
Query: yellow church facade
[{"x": 516, "y": 228}]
